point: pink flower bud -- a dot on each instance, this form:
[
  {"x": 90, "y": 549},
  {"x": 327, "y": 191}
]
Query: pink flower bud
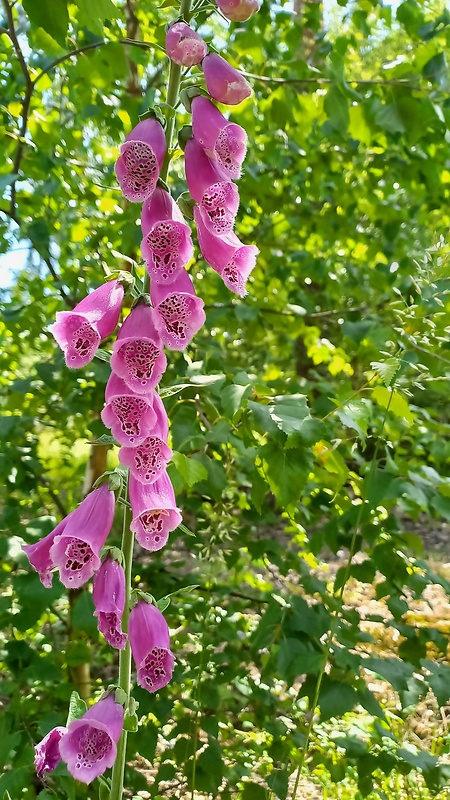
[
  {"x": 76, "y": 549},
  {"x": 108, "y": 593},
  {"x": 224, "y": 83},
  {"x": 178, "y": 311},
  {"x": 225, "y": 143},
  {"x": 138, "y": 356},
  {"x": 155, "y": 514},
  {"x": 238, "y": 10},
  {"x": 150, "y": 645},
  {"x": 226, "y": 254},
  {"x": 130, "y": 417},
  {"x": 89, "y": 745},
  {"x": 140, "y": 161},
  {"x": 219, "y": 199},
  {"x": 79, "y": 332},
  {"x": 167, "y": 244},
  {"x": 185, "y": 46},
  {"x": 47, "y": 755}
]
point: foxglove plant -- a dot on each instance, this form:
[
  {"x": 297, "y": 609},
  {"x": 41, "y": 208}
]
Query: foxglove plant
[{"x": 167, "y": 313}]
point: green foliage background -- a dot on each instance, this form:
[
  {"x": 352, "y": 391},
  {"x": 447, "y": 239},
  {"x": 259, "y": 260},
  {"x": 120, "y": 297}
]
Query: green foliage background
[{"x": 308, "y": 419}]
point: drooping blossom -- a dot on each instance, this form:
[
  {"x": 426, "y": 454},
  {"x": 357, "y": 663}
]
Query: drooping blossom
[
  {"x": 224, "y": 83},
  {"x": 39, "y": 554},
  {"x": 167, "y": 243},
  {"x": 178, "y": 312},
  {"x": 79, "y": 332},
  {"x": 109, "y": 600},
  {"x": 185, "y": 46},
  {"x": 224, "y": 142},
  {"x": 138, "y": 357},
  {"x": 219, "y": 199},
  {"x": 148, "y": 460},
  {"x": 238, "y": 10},
  {"x": 46, "y": 753},
  {"x": 89, "y": 745},
  {"x": 140, "y": 161},
  {"x": 76, "y": 549},
  {"x": 231, "y": 259},
  {"x": 155, "y": 513},
  {"x": 130, "y": 417},
  {"x": 150, "y": 646}
]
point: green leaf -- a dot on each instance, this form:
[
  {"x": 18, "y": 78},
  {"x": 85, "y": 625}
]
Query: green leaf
[
  {"x": 83, "y": 613},
  {"x": 51, "y": 15},
  {"x": 387, "y": 370},
  {"x": 389, "y": 398},
  {"x": 297, "y": 658},
  {"x": 253, "y": 791},
  {"x": 286, "y": 471},
  {"x": 336, "y": 109},
  {"x": 103, "y": 355},
  {"x": 190, "y": 470},
  {"x": 355, "y": 414},
  {"x": 77, "y": 707},
  {"x": 92, "y": 13},
  {"x": 130, "y": 722},
  {"x": 233, "y": 397},
  {"x": 388, "y": 119},
  {"x": 278, "y": 780},
  {"x": 336, "y": 699},
  {"x": 397, "y": 672}
]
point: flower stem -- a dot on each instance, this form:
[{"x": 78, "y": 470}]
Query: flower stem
[
  {"x": 124, "y": 657},
  {"x": 173, "y": 88}
]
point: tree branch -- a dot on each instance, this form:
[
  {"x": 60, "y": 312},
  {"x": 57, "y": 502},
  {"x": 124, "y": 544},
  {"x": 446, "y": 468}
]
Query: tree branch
[
  {"x": 68, "y": 300},
  {"x": 321, "y": 80},
  {"x": 92, "y": 46},
  {"x": 25, "y": 102}
]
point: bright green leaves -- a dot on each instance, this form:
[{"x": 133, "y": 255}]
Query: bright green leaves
[
  {"x": 51, "y": 15},
  {"x": 92, "y": 13},
  {"x": 286, "y": 471}
]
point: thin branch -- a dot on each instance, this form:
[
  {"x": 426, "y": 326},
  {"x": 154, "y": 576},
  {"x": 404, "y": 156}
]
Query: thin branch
[
  {"x": 360, "y": 82},
  {"x": 25, "y": 103},
  {"x": 59, "y": 505},
  {"x": 11, "y": 31},
  {"x": 12, "y": 216},
  {"x": 282, "y": 313},
  {"x": 85, "y": 48},
  {"x": 56, "y": 278}
]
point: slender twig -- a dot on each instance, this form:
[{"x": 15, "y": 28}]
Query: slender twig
[
  {"x": 321, "y": 79},
  {"x": 25, "y": 103},
  {"x": 283, "y": 313},
  {"x": 59, "y": 505},
  {"x": 92, "y": 46},
  {"x": 68, "y": 300}
]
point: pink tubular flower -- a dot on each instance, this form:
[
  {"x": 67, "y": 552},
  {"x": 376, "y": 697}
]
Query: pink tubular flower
[
  {"x": 155, "y": 514},
  {"x": 219, "y": 199},
  {"x": 131, "y": 417},
  {"x": 137, "y": 356},
  {"x": 178, "y": 311},
  {"x": 224, "y": 83},
  {"x": 76, "y": 550},
  {"x": 238, "y": 10},
  {"x": 39, "y": 554},
  {"x": 167, "y": 244},
  {"x": 79, "y": 332},
  {"x": 225, "y": 143},
  {"x": 89, "y": 745},
  {"x": 47, "y": 755},
  {"x": 185, "y": 46},
  {"x": 148, "y": 461},
  {"x": 140, "y": 161},
  {"x": 231, "y": 259},
  {"x": 150, "y": 645},
  {"x": 109, "y": 600}
]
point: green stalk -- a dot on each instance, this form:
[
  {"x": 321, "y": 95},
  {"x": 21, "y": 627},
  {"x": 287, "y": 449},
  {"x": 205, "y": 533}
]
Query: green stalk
[
  {"x": 173, "y": 89},
  {"x": 124, "y": 657}
]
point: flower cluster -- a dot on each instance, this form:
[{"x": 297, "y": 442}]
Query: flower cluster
[{"x": 168, "y": 315}]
